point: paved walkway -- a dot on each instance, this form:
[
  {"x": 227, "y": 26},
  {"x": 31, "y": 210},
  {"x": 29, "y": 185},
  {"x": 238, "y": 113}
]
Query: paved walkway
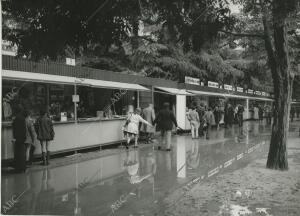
[{"x": 134, "y": 182}]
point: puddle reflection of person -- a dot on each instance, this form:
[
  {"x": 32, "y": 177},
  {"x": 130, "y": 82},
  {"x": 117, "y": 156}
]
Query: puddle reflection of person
[
  {"x": 45, "y": 198},
  {"x": 193, "y": 156},
  {"x": 132, "y": 166}
]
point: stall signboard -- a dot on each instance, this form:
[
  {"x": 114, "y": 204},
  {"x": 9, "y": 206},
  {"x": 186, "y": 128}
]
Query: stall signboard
[
  {"x": 263, "y": 93},
  {"x": 213, "y": 84},
  {"x": 239, "y": 89},
  {"x": 228, "y": 87},
  {"x": 75, "y": 98},
  {"x": 192, "y": 80},
  {"x": 70, "y": 61},
  {"x": 250, "y": 91},
  {"x": 257, "y": 92}
]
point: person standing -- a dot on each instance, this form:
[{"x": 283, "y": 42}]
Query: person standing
[
  {"x": 30, "y": 137},
  {"x": 201, "y": 113},
  {"x": 131, "y": 127},
  {"x": 209, "y": 121},
  {"x": 268, "y": 114},
  {"x": 292, "y": 113},
  {"x": 240, "y": 114},
  {"x": 260, "y": 113},
  {"x": 149, "y": 116},
  {"x": 19, "y": 135},
  {"x": 193, "y": 117},
  {"x": 45, "y": 133},
  {"x": 165, "y": 120},
  {"x": 256, "y": 111},
  {"x": 229, "y": 115},
  {"x": 217, "y": 114}
]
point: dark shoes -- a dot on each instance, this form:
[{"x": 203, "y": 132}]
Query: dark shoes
[{"x": 168, "y": 149}]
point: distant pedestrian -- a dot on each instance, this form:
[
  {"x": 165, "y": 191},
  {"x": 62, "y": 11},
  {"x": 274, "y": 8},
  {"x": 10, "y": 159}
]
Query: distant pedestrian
[
  {"x": 45, "y": 134},
  {"x": 240, "y": 114},
  {"x": 149, "y": 116},
  {"x": 201, "y": 112},
  {"x": 19, "y": 135},
  {"x": 165, "y": 120},
  {"x": 260, "y": 113},
  {"x": 209, "y": 121},
  {"x": 292, "y": 113},
  {"x": 193, "y": 117},
  {"x": 131, "y": 127},
  {"x": 298, "y": 111},
  {"x": 255, "y": 114},
  {"x": 30, "y": 137},
  {"x": 217, "y": 114},
  {"x": 268, "y": 112},
  {"x": 229, "y": 115}
]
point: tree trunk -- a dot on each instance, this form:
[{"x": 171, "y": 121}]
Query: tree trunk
[{"x": 282, "y": 79}]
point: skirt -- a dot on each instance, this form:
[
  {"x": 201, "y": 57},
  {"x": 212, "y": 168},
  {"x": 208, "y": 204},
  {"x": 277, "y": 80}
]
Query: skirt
[{"x": 131, "y": 129}]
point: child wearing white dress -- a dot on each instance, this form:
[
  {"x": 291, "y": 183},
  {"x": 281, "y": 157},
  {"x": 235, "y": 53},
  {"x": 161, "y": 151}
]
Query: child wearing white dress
[{"x": 131, "y": 128}]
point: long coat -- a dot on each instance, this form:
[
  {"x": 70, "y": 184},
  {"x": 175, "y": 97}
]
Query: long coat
[
  {"x": 149, "y": 116},
  {"x": 165, "y": 120},
  {"x": 30, "y": 131},
  {"x": 44, "y": 129}
]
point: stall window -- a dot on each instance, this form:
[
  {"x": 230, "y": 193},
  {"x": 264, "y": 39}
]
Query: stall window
[
  {"x": 104, "y": 102},
  {"x": 34, "y": 96}
]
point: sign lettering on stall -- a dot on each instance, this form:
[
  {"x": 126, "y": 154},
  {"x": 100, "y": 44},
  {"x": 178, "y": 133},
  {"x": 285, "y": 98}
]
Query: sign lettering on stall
[
  {"x": 70, "y": 61},
  {"x": 192, "y": 80},
  {"x": 257, "y": 92},
  {"x": 213, "y": 84},
  {"x": 239, "y": 89},
  {"x": 250, "y": 91},
  {"x": 228, "y": 87}
]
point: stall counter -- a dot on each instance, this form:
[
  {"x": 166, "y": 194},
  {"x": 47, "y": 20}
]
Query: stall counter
[{"x": 70, "y": 136}]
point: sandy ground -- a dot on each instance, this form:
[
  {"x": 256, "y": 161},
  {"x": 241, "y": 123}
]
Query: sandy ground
[{"x": 251, "y": 190}]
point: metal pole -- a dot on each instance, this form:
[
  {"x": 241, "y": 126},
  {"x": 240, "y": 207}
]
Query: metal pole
[{"x": 75, "y": 104}]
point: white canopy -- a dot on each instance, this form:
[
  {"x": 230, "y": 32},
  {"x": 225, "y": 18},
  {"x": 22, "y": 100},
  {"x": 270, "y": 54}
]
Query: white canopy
[
  {"x": 50, "y": 78},
  {"x": 174, "y": 91}
]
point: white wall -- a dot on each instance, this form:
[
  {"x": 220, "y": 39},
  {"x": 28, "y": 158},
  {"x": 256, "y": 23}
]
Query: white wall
[{"x": 181, "y": 110}]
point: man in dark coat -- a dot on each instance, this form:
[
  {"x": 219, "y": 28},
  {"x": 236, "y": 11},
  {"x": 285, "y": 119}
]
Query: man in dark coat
[
  {"x": 165, "y": 120},
  {"x": 19, "y": 135},
  {"x": 240, "y": 115},
  {"x": 201, "y": 112}
]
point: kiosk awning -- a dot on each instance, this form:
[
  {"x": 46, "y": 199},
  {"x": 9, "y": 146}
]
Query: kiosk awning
[
  {"x": 56, "y": 79},
  {"x": 37, "y": 77},
  {"x": 228, "y": 95},
  {"x": 207, "y": 93},
  {"x": 114, "y": 85},
  {"x": 174, "y": 91}
]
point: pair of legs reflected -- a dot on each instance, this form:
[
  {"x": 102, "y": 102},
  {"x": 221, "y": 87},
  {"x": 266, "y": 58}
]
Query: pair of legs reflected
[{"x": 165, "y": 139}]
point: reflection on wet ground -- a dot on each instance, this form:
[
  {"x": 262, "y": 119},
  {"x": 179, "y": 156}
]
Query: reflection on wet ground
[{"x": 131, "y": 182}]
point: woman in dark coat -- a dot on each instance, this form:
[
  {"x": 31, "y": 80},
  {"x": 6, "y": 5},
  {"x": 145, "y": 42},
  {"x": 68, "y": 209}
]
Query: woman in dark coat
[
  {"x": 19, "y": 135},
  {"x": 45, "y": 134}
]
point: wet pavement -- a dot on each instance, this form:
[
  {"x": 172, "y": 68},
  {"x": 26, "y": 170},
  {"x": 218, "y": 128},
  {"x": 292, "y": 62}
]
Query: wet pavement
[{"x": 132, "y": 182}]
